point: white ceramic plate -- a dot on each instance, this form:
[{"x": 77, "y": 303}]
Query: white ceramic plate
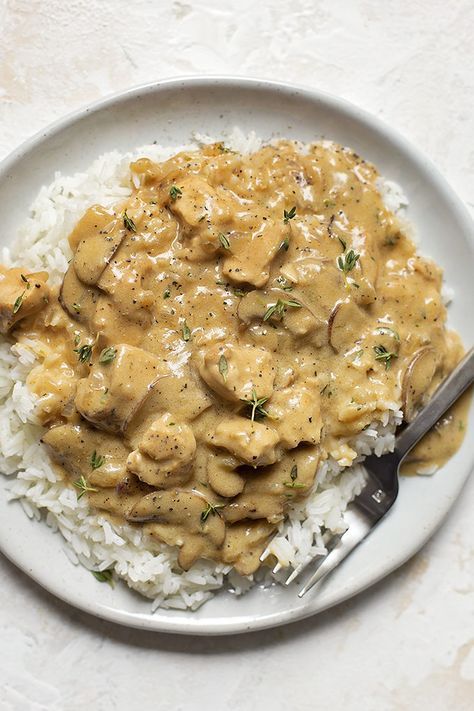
[{"x": 168, "y": 112}]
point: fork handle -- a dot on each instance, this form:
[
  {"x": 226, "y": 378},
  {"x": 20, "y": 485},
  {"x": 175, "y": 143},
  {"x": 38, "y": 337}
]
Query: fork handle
[{"x": 447, "y": 394}]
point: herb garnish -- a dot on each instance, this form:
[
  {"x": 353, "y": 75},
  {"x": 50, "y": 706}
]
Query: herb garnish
[
  {"x": 293, "y": 484},
  {"x": 107, "y": 355},
  {"x": 223, "y": 367},
  {"x": 285, "y": 244},
  {"x": 343, "y": 243},
  {"x": 104, "y": 576},
  {"x": 381, "y": 353},
  {"x": 256, "y": 405},
  {"x": 211, "y": 509},
  {"x": 166, "y": 294},
  {"x": 348, "y": 262},
  {"x": 25, "y": 279},
  {"x": 83, "y": 486},
  {"x": 224, "y": 240},
  {"x": 280, "y": 307},
  {"x": 289, "y": 214},
  {"x": 186, "y": 332},
  {"x": 18, "y": 303},
  {"x": 128, "y": 223},
  {"x": 76, "y": 307},
  {"x": 175, "y": 192},
  {"x": 84, "y": 352},
  {"x": 96, "y": 460}
]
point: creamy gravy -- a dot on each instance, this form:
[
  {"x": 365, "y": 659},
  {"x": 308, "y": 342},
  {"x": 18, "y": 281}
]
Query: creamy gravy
[{"x": 236, "y": 321}]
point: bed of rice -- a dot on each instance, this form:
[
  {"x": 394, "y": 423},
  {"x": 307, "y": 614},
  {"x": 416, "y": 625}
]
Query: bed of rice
[{"x": 91, "y": 539}]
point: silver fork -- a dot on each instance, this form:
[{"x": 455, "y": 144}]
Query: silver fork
[{"x": 381, "y": 488}]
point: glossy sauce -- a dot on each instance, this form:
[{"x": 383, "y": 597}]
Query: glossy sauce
[{"x": 235, "y": 322}]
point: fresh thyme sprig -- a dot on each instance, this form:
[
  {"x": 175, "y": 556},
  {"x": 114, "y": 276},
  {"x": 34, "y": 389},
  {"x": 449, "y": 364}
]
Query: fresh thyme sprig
[
  {"x": 84, "y": 352},
  {"x": 384, "y": 355},
  {"x": 96, "y": 460},
  {"x": 210, "y": 510},
  {"x": 347, "y": 263},
  {"x": 83, "y": 486},
  {"x": 280, "y": 307},
  {"x": 256, "y": 405},
  {"x": 289, "y": 214}
]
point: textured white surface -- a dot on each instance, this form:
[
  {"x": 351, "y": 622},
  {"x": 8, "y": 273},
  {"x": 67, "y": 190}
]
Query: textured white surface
[{"x": 408, "y": 642}]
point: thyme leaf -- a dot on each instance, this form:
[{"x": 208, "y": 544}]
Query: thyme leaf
[
  {"x": 223, "y": 367},
  {"x": 18, "y": 303},
  {"x": 104, "y": 576},
  {"x": 128, "y": 223},
  {"x": 186, "y": 332},
  {"x": 289, "y": 214},
  {"x": 175, "y": 192},
  {"x": 107, "y": 355},
  {"x": 224, "y": 240}
]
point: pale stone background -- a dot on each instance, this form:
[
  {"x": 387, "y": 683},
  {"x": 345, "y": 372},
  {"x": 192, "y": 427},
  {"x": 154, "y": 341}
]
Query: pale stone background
[{"x": 408, "y": 642}]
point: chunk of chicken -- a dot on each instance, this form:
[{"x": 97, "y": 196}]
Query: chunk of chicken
[
  {"x": 198, "y": 201},
  {"x": 296, "y": 413},
  {"x": 250, "y": 255},
  {"x": 183, "y": 519},
  {"x": 250, "y": 442},
  {"x": 114, "y": 391},
  {"x": 234, "y": 371},
  {"x": 95, "y": 239},
  {"x": 22, "y": 293},
  {"x": 83, "y": 451},
  {"x": 244, "y": 543},
  {"x": 165, "y": 453},
  {"x": 267, "y": 493},
  {"x": 76, "y": 298}
]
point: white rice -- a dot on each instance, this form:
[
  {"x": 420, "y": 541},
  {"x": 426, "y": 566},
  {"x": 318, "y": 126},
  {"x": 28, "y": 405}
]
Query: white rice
[{"x": 92, "y": 540}]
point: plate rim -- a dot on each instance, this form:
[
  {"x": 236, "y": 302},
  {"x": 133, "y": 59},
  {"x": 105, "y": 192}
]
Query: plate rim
[{"x": 181, "y": 624}]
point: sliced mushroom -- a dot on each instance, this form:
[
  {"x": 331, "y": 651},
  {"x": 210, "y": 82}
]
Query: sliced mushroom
[
  {"x": 244, "y": 543},
  {"x": 417, "y": 379},
  {"x": 77, "y": 299},
  {"x": 346, "y": 325},
  {"x": 120, "y": 499},
  {"x": 84, "y": 451},
  {"x": 96, "y": 237},
  {"x": 267, "y": 493},
  {"x": 184, "y": 519},
  {"x": 222, "y": 475}
]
